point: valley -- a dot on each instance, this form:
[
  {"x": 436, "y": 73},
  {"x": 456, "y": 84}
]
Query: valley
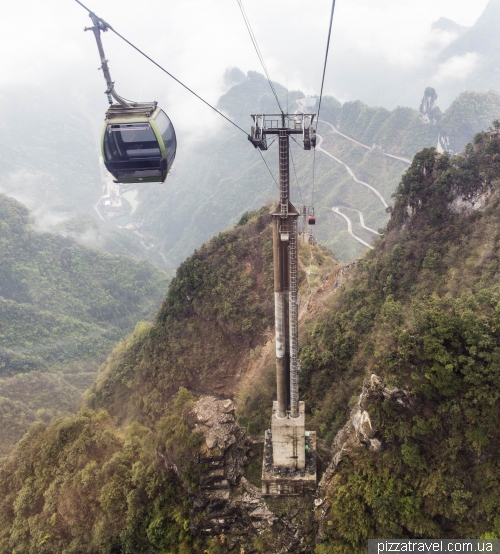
[{"x": 192, "y": 366}]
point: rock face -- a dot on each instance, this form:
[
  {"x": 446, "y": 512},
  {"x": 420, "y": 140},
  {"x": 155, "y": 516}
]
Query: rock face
[
  {"x": 234, "y": 510},
  {"x": 224, "y": 438},
  {"x": 443, "y": 144},
  {"x": 429, "y": 112},
  {"x": 357, "y": 433}
]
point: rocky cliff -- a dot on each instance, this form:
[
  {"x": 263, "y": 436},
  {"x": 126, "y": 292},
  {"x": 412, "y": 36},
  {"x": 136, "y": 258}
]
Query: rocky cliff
[{"x": 400, "y": 374}]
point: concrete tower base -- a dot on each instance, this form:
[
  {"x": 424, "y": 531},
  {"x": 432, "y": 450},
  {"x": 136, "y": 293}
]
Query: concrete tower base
[
  {"x": 288, "y": 438},
  {"x": 289, "y": 465}
]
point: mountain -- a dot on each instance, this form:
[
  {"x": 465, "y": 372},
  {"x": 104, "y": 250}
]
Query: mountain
[
  {"x": 426, "y": 302},
  {"x": 469, "y": 113},
  {"x": 59, "y": 177},
  {"x": 62, "y": 308},
  {"x": 481, "y": 38},
  {"x": 406, "y": 340},
  {"x": 213, "y": 328},
  {"x": 200, "y": 199},
  {"x": 219, "y": 309},
  {"x": 450, "y": 58},
  {"x": 445, "y": 24}
]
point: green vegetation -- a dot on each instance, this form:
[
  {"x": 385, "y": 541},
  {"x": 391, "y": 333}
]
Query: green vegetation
[
  {"x": 218, "y": 307},
  {"x": 398, "y": 132},
  {"x": 87, "y": 487},
  {"x": 62, "y": 308},
  {"x": 63, "y": 305},
  {"x": 469, "y": 113},
  {"x": 421, "y": 311},
  {"x": 136, "y": 480}
]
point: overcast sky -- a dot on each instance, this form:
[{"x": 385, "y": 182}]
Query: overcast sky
[{"x": 43, "y": 42}]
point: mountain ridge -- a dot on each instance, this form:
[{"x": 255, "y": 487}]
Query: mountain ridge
[{"x": 62, "y": 308}]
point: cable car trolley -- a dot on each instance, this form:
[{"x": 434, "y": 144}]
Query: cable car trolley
[{"x": 138, "y": 141}]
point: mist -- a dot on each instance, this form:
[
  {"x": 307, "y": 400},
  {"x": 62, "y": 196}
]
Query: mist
[{"x": 197, "y": 41}]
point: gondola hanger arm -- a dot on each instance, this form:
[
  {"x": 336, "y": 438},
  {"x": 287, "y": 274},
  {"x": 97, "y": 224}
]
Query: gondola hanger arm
[{"x": 101, "y": 25}]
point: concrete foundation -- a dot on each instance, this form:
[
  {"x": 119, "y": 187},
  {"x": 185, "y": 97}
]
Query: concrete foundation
[
  {"x": 288, "y": 438},
  {"x": 277, "y": 481},
  {"x": 289, "y": 464}
]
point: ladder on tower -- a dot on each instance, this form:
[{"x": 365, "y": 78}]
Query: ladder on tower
[
  {"x": 283, "y": 137},
  {"x": 294, "y": 321}
]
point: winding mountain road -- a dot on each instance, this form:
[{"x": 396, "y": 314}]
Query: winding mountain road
[
  {"x": 350, "y": 171},
  {"x": 405, "y": 160},
  {"x": 349, "y": 227},
  {"x": 361, "y": 219},
  {"x": 336, "y": 209}
]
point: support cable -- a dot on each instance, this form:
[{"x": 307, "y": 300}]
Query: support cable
[
  {"x": 257, "y": 49},
  {"x": 296, "y": 179},
  {"x": 297, "y": 142},
  {"x": 268, "y": 168},
  {"x": 162, "y": 68},
  {"x": 321, "y": 93},
  {"x": 314, "y": 168},
  {"x": 326, "y": 59}
]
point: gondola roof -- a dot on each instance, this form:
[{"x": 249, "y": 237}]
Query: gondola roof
[{"x": 133, "y": 110}]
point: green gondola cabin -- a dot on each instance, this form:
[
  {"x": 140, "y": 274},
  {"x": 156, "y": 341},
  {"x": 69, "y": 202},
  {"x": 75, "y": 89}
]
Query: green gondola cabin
[{"x": 138, "y": 143}]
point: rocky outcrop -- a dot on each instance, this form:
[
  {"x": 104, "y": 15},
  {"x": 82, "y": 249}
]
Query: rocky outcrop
[
  {"x": 357, "y": 433},
  {"x": 443, "y": 144},
  {"x": 231, "y": 507},
  {"x": 473, "y": 203},
  {"x": 225, "y": 440},
  {"x": 429, "y": 112}
]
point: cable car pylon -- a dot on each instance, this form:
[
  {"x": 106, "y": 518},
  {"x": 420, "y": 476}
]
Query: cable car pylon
[{"x": 288, "y": 468}]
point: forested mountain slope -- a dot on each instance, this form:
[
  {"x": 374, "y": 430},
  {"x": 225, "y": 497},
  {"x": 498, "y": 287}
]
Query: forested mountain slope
[
  {"x": 217, "y": 316},
  {"x": 420, "y": 311},
  {"x": 62, "y": 308},
  {"x": 219, "y": 307},
  {"x": 402, "y": 131}
]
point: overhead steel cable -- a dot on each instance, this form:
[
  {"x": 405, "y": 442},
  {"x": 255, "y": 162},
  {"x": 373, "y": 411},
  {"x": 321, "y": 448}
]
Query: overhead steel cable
[
  {"x": 296, "y": 142},
  {"x": 314, "y": 167},
  {"x": 326, "y": 59},
  {"x": 321, "y": 93},
  {"x": 162, "y": 68},
  {"x": 296, "y": 179},
  {"x": 268, "y": 168},
  {"x": 259, "y": 54}
]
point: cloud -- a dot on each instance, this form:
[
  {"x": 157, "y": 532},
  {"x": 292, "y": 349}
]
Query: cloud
[
  {"x": 29, "y": 187},
  {"x": 457, "y": 68},
  {"x": 197, "y": 40}
]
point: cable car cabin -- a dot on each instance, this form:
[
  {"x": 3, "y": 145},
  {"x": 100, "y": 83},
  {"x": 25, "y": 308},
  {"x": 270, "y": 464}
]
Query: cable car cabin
[
  {"x": 138, "y": 143},
  {"x": 311, "y": 220}
]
